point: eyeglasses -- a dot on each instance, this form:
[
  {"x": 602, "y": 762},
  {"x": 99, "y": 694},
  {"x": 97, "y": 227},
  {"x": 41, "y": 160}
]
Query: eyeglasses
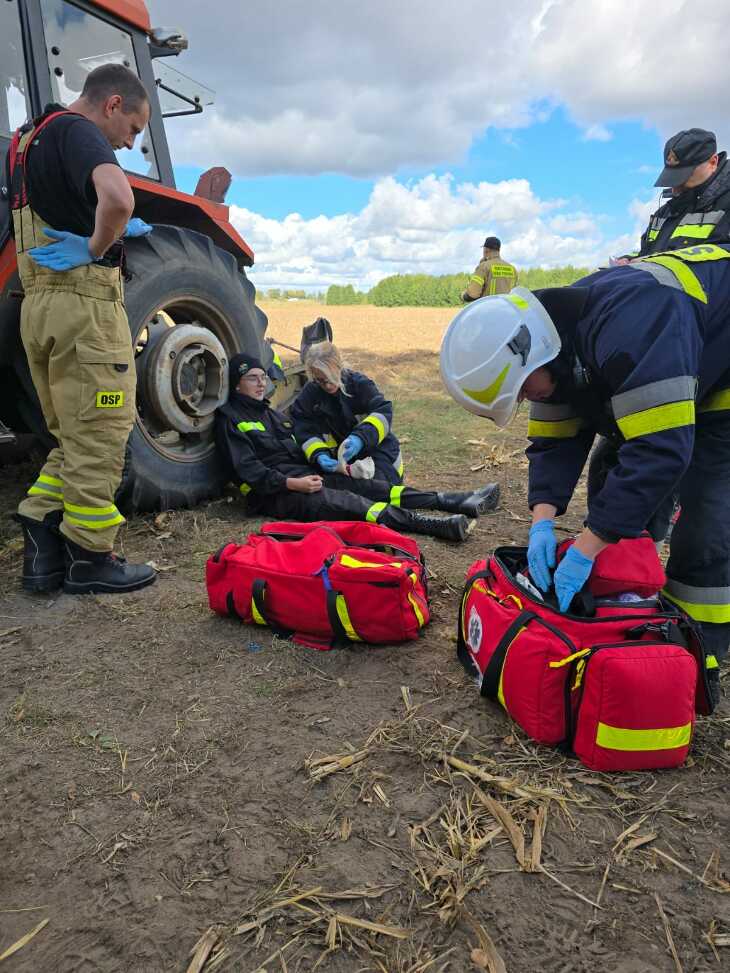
[{"x": 257, "y": 378}]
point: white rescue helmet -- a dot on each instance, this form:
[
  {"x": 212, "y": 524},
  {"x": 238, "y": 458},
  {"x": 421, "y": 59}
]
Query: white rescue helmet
[{"x": 490, "y": 349}]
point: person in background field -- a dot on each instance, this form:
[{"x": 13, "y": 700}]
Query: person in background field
[
  {"x": 338, "y": 405},
  {"x": 641, "y": 352},
  {"x": 71, "y": 202},
  {"x": 493, "y": 275},
  {"x": 264, "y": 460}
]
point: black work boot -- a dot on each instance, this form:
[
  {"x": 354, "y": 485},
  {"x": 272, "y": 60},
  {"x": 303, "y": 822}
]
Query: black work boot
[
  {"x": 44, "y": 566},
  {"x": 472, "y": 504},
  {"x": 454, "y": 528},
  {"x": 95, "y": 572}
]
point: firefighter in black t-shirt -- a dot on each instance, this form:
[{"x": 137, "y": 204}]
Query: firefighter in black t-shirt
[{"x": 71, "y": 202}]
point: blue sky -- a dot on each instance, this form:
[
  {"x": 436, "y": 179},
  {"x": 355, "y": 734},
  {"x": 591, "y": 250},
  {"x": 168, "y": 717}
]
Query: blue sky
[{"x": 365, "y": 141}]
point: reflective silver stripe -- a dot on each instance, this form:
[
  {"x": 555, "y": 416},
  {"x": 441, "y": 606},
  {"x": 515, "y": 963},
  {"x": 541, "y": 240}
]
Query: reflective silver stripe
[
  {"x": 551, "y": 413},
  {"x": 649, "y": 396},
  {"x": 695, "y": 595},
  {"x": 661, "y": 274},
  {"x": 699, "y": 219}
]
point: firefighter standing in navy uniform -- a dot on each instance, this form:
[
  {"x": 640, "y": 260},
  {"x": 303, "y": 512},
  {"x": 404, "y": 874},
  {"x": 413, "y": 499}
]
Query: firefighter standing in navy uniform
[
  {"x": 257, "y": 444},
  {"x": 697, "y": 181},
  {"x": 70, "y": 203},
  {"x": 642, "y": 350}
]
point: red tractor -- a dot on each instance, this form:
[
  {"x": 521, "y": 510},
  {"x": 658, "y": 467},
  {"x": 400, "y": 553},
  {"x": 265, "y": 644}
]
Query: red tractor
[{"x": 189, "y": 302}]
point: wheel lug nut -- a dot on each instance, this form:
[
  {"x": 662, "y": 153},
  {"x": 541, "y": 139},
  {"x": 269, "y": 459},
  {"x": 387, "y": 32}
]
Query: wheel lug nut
[{"x": 173, "y": 354}]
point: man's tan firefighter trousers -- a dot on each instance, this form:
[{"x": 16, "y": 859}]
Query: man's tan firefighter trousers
[{"x": 75, "y": 332}]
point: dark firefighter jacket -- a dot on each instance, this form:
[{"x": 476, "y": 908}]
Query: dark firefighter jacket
[
  {"x": 699, "y": 215},
  {"x": 322, "y": 421},
  {"x": 257, "y": 444},
  {"x": 650, "y": 347}
]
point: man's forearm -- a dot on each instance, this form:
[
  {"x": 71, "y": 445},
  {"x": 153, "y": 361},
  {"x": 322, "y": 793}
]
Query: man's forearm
[{"x": 111, "y": 220}]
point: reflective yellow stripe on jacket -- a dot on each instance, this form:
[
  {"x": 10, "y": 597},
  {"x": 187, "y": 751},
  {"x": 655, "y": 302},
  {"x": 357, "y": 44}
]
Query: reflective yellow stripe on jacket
[
  {"x": 701, "y": 604},
  {"x": 380, "y": 423},
  {"x": 553, "y": 421},
  {"x": 656, "y": 407}
]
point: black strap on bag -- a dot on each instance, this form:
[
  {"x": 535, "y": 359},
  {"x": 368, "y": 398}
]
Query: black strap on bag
[
  {"x": 258, "y": 597},
  {"x": 493, "y": 672},
  {"x": 462, "y": 651},
  {"x": 341, "y": 639}
]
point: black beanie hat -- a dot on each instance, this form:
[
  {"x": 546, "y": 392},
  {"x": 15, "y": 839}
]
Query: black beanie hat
[
  {"x": 492, "y": 243},
  {"x": 239, "y": 365}
]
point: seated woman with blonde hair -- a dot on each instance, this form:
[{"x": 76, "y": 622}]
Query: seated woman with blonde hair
[{"x": 339, "y": 406}]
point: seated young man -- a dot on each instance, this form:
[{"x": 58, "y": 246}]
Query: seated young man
[{"x": 273, "y": 475}]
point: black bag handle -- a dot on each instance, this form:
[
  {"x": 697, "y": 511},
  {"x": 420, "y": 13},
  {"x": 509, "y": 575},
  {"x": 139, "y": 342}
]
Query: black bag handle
[
  {"x": 490, "y": 682},
  {"x": 341, "y": 639},
  {"x": 258, "y": 597},
  {"x": 462, "y": 651}
]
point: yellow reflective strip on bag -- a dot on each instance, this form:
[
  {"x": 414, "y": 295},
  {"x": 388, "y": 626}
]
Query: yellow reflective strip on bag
[
  {"x": 245, "y": 489},
  {"x": 715, "y": 401},
  {"x": 416, "y": 609},
  {"x": 692, "y": 230},
  {"x": 560, "y": 429},
  {"x": 350, "y": 562},
  {"x": 256, "y": 614},
  {"x": 372, "y": 515},
  {"x": 374, "y": 421},
  {"x": 559, "y": 663},
  {"x": 50, "y": 480},
  {"x": 687, "y": 279},
  {"x": 249, "y": 426},
  {"x": 395, "y": 495},
  {"x": 344, "y": 617},
  {"x": 489, "y": 394},
  {"x": 618, "y": 738},
  {"x": 658, "y": 419},
  {"x": 717, "y": 614},
  {"x": 500, "y": 690},
  {"x": 711, "y": 662}
]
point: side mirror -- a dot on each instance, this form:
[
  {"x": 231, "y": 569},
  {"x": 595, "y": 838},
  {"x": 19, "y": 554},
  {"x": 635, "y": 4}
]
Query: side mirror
[{"x": 167, "y": 42}]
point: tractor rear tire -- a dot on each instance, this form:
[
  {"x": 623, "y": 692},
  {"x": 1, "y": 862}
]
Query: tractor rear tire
[{"x": 182, "y": 274}]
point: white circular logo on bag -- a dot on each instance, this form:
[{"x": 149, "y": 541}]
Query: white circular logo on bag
[{"x": 475, "y": 631}]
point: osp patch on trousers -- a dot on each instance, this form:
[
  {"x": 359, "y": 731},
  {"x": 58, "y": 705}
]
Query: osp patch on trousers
[
  {"x": 619, "y": 687},
  {"x": 323, "y": 584}
]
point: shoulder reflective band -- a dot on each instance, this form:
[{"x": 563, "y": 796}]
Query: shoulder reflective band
[
  {"x": 655, "y": 407},
  {"x": 395, "y": 495},
  {"x": 684, "y": 279},
  {"x": 715, "y": 402},
  {"x": 351, "y": 562},
  {"x": 553, "y": 421},
  {"x": 49, "y": 486},
  {"x": 380, "y": 422},
  {"x": 618, "y": 738},
  {"x": 702, "y": 604},
  {"x": 250, "y": 426},
  {"x": 245, "y": 489},
  {"x": 374, "y": 512},
  {"x": 477, "y": 280},
  {"x": 93, "y": 518},
  {"x": 702, "y": 253},
  {"x": 344, "y": 617},
  {"x": 489, "y": 394}
]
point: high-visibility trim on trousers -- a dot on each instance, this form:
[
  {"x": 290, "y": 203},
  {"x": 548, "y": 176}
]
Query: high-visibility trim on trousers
[
  {"x": 93, "y": 518},
  {"x": 374, "y": 512},
  {"x": 701, "y": 604},
  {"x": 47, "y": 486},
  {"x": 395, "y": 495}
]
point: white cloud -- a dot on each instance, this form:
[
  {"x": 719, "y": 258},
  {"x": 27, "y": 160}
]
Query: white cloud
[
  {"x": 432, "y": 226},
  {"x": 306, "y": 86},
  {"x": 597, "y": 133}
]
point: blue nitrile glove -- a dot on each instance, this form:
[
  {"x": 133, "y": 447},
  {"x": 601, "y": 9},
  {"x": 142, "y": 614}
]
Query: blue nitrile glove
[
  {"x": 353, "y": 445},
  {"x": 541, "y": 552},
  {"x": 70, "y": 251},
  {"x": 137, "y": 227},
  {"x": 573, "y": 572},
  {"x": 326, "y": 463}
]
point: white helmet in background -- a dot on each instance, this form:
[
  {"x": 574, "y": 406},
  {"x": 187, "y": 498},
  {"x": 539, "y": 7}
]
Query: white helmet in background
[{"x": 491, "y": 347}]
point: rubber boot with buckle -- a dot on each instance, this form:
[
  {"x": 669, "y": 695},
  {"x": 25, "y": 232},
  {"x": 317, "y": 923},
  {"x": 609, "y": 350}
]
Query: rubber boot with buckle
[
  {"x": 472, "y": 504},
  {"x": 44, "y": 566},
  {"x": 94, "y": 572}
]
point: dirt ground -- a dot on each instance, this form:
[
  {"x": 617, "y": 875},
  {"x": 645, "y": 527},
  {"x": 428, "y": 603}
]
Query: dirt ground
[{"x": 166, "y": 804}]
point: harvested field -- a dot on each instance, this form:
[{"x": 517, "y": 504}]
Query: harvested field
[{"x": 184, "y": 793}]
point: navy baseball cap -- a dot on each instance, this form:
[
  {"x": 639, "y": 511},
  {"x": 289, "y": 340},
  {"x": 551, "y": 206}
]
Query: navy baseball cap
[{"x": 683, "y": 153}]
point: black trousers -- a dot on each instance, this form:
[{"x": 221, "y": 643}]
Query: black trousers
[{"x": 698, "y": 571}]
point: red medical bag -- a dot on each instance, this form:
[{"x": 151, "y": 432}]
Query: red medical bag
[
  {"x": 619, "y": 686},
  {"x": 323, "y": 584}
]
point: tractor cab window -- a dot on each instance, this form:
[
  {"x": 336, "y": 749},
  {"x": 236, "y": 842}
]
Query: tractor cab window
[
  {"x": 77, "y": 42},
  {"x": 14, "y": 104}
]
